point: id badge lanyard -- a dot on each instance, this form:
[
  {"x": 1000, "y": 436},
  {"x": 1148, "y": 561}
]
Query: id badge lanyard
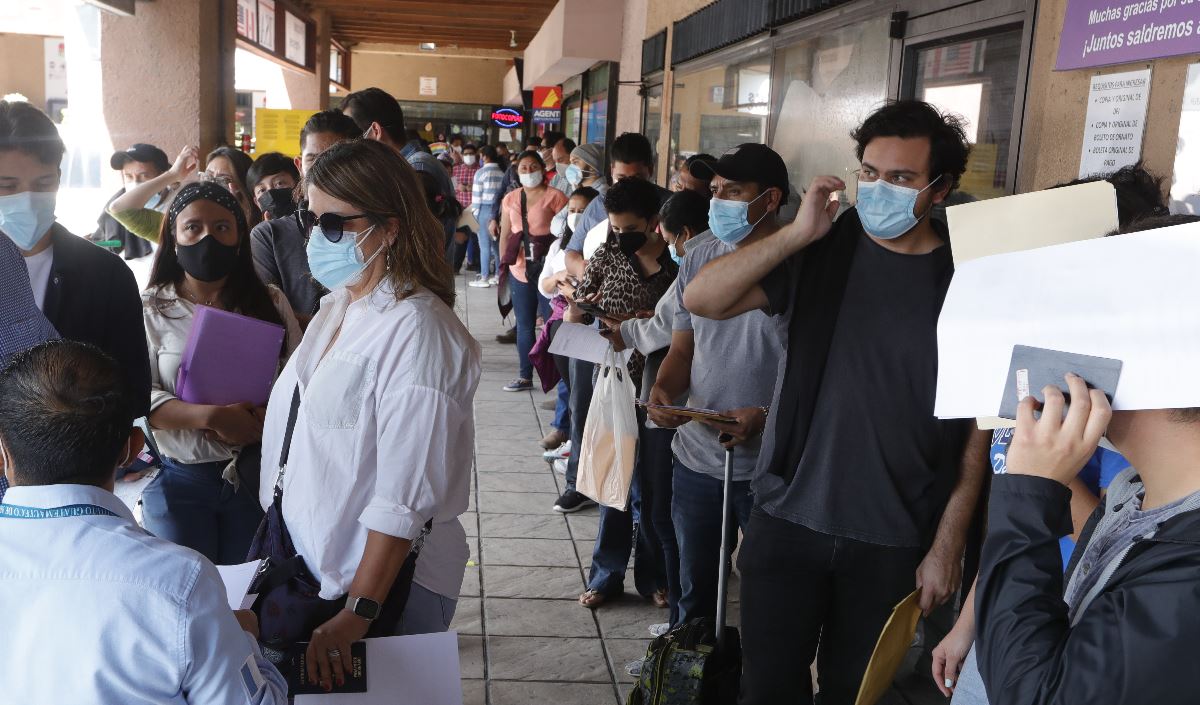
[{"x": 16, "y": 511}]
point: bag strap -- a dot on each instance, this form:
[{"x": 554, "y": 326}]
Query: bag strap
[
  {"x": 285, "y": 451},
  {"x": 524, "y": 222}
]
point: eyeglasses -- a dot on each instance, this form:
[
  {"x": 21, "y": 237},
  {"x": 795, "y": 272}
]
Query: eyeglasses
[
  {"x": 332, "y": 224},
  {"x": 219, "y": 179}
]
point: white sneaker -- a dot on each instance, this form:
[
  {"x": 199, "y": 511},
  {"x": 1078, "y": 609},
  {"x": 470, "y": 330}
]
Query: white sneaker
[
  {"x": 657, "y": 630},
  {"x": 560, "y": 466},
  {"x": 560, "y": 453},
  {"x": 493, "y": 280},
  {"x": 634, "y": 668},
  {"x": 480, "y": 283}
]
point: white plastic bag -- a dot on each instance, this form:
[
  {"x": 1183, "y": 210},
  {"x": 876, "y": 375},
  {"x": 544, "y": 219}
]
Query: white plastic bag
[{"x": 610, "y": 436}]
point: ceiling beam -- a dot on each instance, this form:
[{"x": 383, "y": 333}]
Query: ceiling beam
[
  {"x": 459, "y": 20},
  {"x": 508, "y": 11},
  {"x": 388, "y": 38}
]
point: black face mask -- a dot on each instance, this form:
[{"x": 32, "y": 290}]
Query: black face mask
[
  {"x": 277, "y": 203},
  {"x": 207, "y": 260},
  {"x": 630, "y": 243}
]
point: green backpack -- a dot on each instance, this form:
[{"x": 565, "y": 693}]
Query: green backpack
[{"x": 685, "y": 667}]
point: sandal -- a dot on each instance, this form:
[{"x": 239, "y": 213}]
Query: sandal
[
  {"x": 660, "y": 599},
  {"x": 592, "y": 599}
]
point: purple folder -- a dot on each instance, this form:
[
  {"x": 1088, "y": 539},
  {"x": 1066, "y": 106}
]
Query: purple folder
[{"x": 229, "y": 359}]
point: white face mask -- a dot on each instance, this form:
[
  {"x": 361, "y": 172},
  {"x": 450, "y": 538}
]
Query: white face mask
[
  {"x": 532, "y": 179},
  {"x": 573, "y": 220},
  {"x": 469, "y": 159}
]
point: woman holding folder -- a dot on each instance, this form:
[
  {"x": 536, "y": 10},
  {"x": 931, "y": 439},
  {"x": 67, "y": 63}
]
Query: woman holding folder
[
  {"x": 204, "y": 498},
  {"x": 379, "y": 399}
]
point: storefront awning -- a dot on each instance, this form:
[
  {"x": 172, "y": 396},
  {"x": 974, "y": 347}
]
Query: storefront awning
[{"x": 575, "y": 36}]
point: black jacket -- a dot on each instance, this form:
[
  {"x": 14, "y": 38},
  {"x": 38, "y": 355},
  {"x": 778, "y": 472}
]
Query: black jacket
[
  {"x": 92, "y": 297},
  {"x": 1135, "y": 643},
  {"x": 109, "y": 230}
]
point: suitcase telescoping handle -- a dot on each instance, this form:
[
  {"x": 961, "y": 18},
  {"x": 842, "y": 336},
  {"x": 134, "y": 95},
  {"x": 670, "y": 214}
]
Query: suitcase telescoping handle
[{"x": 723, "y": 571}]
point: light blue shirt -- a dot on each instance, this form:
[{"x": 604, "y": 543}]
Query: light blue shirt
[{"x": 96, "y": 610}]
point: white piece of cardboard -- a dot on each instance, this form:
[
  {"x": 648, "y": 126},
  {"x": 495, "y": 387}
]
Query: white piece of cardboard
[
  {"x": 1030, "y": 220},
  {"x": 1185, "y": 188},
  {"x": 1130, "y": 297},
  {"x": 1116, "y": 122},
  {"x": 595, "y": 237},
  {"x": 237, "y": 579},
  {"x": 580, "y": 342},
  {"x": 405, "y": 670}
]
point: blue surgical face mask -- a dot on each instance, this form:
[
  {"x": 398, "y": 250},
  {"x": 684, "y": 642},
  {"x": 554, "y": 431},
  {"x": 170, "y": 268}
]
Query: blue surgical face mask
[
  {"x": 730, "y": 221},
  {"x": 887, "y": 210},
  {"x": 25, "y": 217},
  {"x": 573, "y": 174},
  {"x": 341, "y": 263},
  {"x": 675, "y": 256}
]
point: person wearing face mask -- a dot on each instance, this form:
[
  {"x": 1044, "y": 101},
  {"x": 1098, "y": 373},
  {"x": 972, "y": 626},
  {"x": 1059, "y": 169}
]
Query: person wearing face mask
[
  {"x": 278, "y": 244},
  {"x": 749, "y": 185},
  {"x": 584, "y": 171},
  {"x": 554, "y": 280},
  {"x": 138, "y": 164},
  {"x": 560, "y": 152},
  {"x": 485, "y": 192},
  {"x": 463, "y": 175},
  {"x": 86, "y": 293},
  {"x": 860, "y": 494},
  {"x": 626, "y": 277},
  {"x": 696, "y": 174},
  {"x": 271, "y": 179},
  {"x": 524, "y": 241},
  {"x": 205, "y": 497},
  {"x": 683, "y": 222},
  {"x": 374, "y": 412}
]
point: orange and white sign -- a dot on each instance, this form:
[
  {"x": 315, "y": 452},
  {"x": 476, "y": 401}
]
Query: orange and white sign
[{"x": 547, "y": 105}]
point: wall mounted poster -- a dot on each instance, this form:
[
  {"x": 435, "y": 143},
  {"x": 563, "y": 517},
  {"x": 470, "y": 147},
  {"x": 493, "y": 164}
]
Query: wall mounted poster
[
  {"x": 1116, "y": 122},
  {"x": 266, "y": 24},
  {"x": 295, "y": 39},
  {"x": 1106, "y": 32}
]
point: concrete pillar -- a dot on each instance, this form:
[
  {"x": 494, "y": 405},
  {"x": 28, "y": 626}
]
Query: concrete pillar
[
  {"x": 167, "y": 74},
  {"x": 310, "y": 91}
]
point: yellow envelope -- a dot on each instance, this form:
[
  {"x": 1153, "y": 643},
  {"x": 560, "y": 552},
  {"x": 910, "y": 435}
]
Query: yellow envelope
[{"x": 893, "y": 645}]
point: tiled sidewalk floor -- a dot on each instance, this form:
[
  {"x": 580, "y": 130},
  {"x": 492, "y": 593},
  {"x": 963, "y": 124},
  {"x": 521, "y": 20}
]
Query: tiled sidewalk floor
[{"x": 523, "y": 636}]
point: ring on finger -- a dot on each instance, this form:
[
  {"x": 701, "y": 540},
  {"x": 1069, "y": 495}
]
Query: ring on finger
[{"x": 334, "y": 653}]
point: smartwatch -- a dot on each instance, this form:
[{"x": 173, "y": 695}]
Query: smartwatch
[{"x": 364, "y": 607}]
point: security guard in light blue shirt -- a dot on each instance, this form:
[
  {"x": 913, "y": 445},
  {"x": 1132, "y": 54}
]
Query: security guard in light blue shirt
[{"x": 96, "y": 610}]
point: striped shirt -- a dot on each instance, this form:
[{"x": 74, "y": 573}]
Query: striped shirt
[{"x": 488, "y": 182}]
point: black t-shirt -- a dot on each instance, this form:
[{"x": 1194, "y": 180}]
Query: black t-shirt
[{"x": 877, "y": 466}]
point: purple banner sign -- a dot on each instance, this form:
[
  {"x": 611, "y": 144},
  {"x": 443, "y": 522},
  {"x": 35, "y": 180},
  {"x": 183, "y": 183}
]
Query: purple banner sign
[{"x": 1104, "y": 32}]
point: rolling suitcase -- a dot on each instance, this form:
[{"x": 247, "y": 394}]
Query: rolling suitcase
[{"x": 697, "y": 663}]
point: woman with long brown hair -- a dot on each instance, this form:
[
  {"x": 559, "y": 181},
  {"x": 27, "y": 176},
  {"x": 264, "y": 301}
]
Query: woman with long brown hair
[
  {"x": 381, "y": 394},
  {"x": 205, "y": 496}
]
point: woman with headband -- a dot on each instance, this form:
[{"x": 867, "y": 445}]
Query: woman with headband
[{"x": 205, "y": 496}]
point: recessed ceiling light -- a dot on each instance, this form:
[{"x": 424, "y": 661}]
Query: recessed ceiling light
[{"x": 428, "y": 46}]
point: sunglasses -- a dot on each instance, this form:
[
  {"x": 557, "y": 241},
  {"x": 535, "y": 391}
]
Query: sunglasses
[{"x": 332, "y": 224}]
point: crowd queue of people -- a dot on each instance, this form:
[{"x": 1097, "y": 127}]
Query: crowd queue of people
[{"x": 815, "y": 331}]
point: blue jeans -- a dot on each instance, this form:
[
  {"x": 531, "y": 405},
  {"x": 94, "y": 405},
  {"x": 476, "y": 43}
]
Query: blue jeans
[
  {"x": 426, "y": 612},
  {"x": 524, "y": 303},
  {"x": 656, "y": 458},
  {"x": 617, "y": 535},
  {"x": 192, "y": 506},
  {"x": 696, "y": 511},
  {"x": 562, "y": 410},
  {"x": 489, "y": 249},
  {"x": 581, "y": 399}
]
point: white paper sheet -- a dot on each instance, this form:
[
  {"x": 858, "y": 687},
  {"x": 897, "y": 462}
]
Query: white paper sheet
[
  {"x": 1130, "y": 297},
  {"x": 405, "y": 670},
  {"x": 237, "y": 579},
  {"x": 581, "y": 342},
  {"x": 1037, "y": 219}
]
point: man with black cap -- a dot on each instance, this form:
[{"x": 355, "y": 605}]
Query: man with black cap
[
  {"x": 749, "y": 184},
  {"x": 138, "y": 164}
]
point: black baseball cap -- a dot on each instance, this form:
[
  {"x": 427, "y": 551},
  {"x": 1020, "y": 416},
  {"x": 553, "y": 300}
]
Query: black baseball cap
[
  {"x": 752, "y": 162},
  {"x": 147, "y": 153}
]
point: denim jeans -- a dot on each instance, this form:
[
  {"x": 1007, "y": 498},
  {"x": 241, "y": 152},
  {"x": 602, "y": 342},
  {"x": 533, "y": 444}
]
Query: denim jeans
[
  {"x": 803, "y": 591},
  {"x": 581, "y": 398},
  {"x": 489, "y": 249},
  {"x": 524, "y": 303},
  {"x": 696, "y": 511},
  {"x": 615, "y": 540},
  {"x": 472, "y": 247},
  {"x": 192, "y": 506},
  {"x": 426, "y": 612},
  {"x": 562, "y": 409},
  {"x": 656, "y": 459}
]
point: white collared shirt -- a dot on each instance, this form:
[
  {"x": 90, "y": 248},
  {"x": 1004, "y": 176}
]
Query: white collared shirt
[
  {"x": 384, "y": 435},
  {"x": 96, "y": 610}
]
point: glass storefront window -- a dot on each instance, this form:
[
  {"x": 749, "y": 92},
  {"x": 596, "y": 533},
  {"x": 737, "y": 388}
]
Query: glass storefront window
[
  {"x": 595, "y": 105},
  {"x": 652, "y": 115},
  {"x": 571, "y": 112},
  {"x": 824, "y": 87},
  {"x": 976, "y": 79},
  {"x": 718, "y": 108}
]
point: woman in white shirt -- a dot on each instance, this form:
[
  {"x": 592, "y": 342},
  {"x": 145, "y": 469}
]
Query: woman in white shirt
[
  {"x": 384, "y": 432},
  {"x": 205, "y": 496}
]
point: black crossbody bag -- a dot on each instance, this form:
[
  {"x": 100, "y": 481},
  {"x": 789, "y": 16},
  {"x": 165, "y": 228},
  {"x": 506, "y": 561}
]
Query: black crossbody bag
[{"x": 289, "y": 606}]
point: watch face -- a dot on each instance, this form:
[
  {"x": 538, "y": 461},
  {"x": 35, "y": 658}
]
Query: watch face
[{"x": 367, "y": 609}]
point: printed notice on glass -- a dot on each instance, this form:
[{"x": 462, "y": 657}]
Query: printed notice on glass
[
  {"x": 1116, "y": 122},
  {"x": 1185, "y": 191}
]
